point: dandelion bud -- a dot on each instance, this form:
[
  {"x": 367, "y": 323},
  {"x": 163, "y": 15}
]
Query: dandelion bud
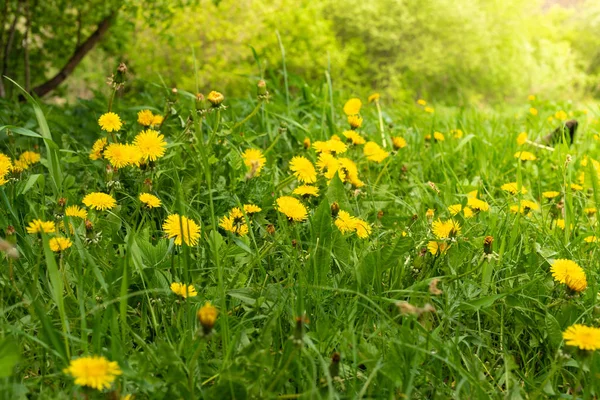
[
  {"x": 306, "y": 143},
  {"x": 261, "y": 88},
  {"x": 334, "y": 367},
  {"x": 335, "y": 209},
  {"x": 488, "y": 245},
  {"x": 215, "y": 98},
  {"x": 299, "y": 330},
  {"x": 10, "y": 230},
  {"x": 119, "y": 77},
  {"x": 294, "y": 243},
  {"x": 202, "y": 105},
  {"x": 62, "y": 201},
  {"x": 207, "y": 316},
  {"x": 88, "y": 225},
  {"x": 434, "y": 187},
  {"x": 379, "y": 214},
  {"x": 271, "y": 229}
]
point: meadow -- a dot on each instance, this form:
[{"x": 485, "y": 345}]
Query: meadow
[{"x": 297, "y": 244}]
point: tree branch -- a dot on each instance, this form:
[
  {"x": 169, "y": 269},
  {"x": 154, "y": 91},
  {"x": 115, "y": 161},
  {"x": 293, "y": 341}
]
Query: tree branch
[{"x": 76, "y": 58}]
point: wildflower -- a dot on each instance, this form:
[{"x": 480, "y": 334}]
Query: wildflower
[
  {"x": 487, "y": 244},
  {"x": 254, "y": 159},
  {"x": 292, "y": 208},
  {"x": 362, "y": 228},
  {"x": 550, "y": 195},
  {"x": 110, "y": 122},
  {"x": 421, "y": 102},
  {"x": 531, "y": 97},
  {"x": 207, "y": 316},
  {"x": 375, "y": 153},
  {"x": 525, "y": 207},
  {"x": 468, "y": 212},
  {"x": 122, "y": 155},
  {"x": 429, "y": 213},
  {"x": 354, "y": 137},
  {"x": 157, "y": 120},
  {"x": 348, "y": 169},
  {"x": 575, "y": 187},
  {"x": 584, "y": 337},
  {"x": 76, "y": 211},
  {"x": 429, "y": 110},
  {"x": 570, "y": 273},
  {"x": 306, "y": 143},
  {"x": 251, "y": 209},
  {"x": 58, "y": 244},
  {"x": 590, "y": 239},
  {"x": 182, "y": 229},
  {"x": 513, "y": 188},
  {"x": 303, "y": 169},
  {"x": 437, "y": 248},
  {"x": 6, "y": 166},
  {"x": 522, "y": 138},
  {"x": 355, "y": 121},
  {"x": 145, "y": 118},
  {"x": 457, "y": 133},
  {"x": 561, "y": 115},
  {"x": 455, "y": 209},
  {"x": 398, "y": 142},
  {"x": 29, "y": 157},
  {"x": 438, "y": 136},
  {"x": 19, "y": 166},
  {"x": 215, "y": 98},
  {"x": 590, "y": 211},
  {"x": 445, "y": 229},
  {"x": 38, "y": 226},
  {"x": 95, "y": 372},
  {"x": 235, "y": 222},
  {"x": 352, "y": 106},
  {"x": 306, "y": 191},
  {"x": 477, "y": 205},
  {"x": 99, "y": 201},
  {"x": 150, "y": 200},
  {"x": 98, "y": 148},
  {"x": 183, "y": 290},
  {"x": 344, "y": 222},
  {"x": 374, "y": 97},
  {"x": 525, "y": 156},
  {"x": 151, "y": 144},
  {"x": 533, "y": 111}
]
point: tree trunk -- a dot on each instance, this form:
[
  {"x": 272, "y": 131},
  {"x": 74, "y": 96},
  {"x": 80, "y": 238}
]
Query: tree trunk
[
  {"x": 9, "y": 43},
  {"x": 76, "y": 58}
]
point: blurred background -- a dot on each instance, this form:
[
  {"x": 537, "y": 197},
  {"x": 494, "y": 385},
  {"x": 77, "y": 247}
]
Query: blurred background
[{"x": 467, "y": 52}]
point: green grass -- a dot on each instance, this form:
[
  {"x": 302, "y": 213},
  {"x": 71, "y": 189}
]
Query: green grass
[{"x": 289, "y": 300}]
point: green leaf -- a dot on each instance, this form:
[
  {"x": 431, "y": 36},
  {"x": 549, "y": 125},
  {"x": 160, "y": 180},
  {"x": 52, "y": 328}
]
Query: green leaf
[
  {"x": 336, "y": 192},
  {"x": 9, "y": 356},
  {"x": 321, "y": 241},
  {"x": 482, "y": 302},
  {"x": 553, "y": 330}
]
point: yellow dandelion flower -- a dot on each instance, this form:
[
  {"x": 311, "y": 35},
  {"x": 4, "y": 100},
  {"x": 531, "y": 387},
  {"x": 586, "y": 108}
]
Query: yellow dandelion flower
[
  {"x": 430, "y": 213},
  {"x": 251, "y": 209},
  {"x": 355, "y": 121},
  {"x": 98, "y": 149},
  {"x": 19, "y": 166},
  {"x": 438, "y": 136},
  {"x": 457, "y": 133},
  {"x": 590, "y": 239},
  {"x": 569, "y": 273},
  {"x": 30, "y": 157},
  {"x": 374, "y": 97},
  {"x": 522, "y": 138},
  {"x": 254, "y": 160},
  {"x": 39, "y": 226},
  {"x": 157, "y": 120},
  {"x": 95, "y": 372},
  {"x": 150, "y": 200},
  {"x": 375, "y": 153},
  {"x": 445, "y": 229},
  {"x": 306, "y": 143},
  {"x": 398, "y": 142},
  {"x": 583, "y": 337},
  {"x": 525, "y": 156},
  {"x": 293, "y": 209},
  {"x": 531, "y": 97},
  {"x": 303, "y": 169},
  {"x": 437, "y": 248},
  {"x": 352, "y": 106},
  {"x": 561, "y": 115},
  {"x": 6, "y": 165},
  {"x": 525, "y": 207},
  {"x": 110, "y": 122},
  {"x": 183, "y": 229},
  {"x": 183, "y": 290},
  {"x": 344, "y": 222},
  {"x": 99, "y": 201},
  {"x": 122, "y": 155},
  {"x": 468, "y": 212},
  {"x": 455, "y": 209},
  {"x": 533, "y": 111},
  {"x": 550, "y": 195},
  {"x": 590, "y": 211},
  {"x": 354, "y": 137},
  {"x": 215, "y": 98},
  {"x": 429, "y": 110},
  {"x": 513, "y": 188},
  {"x": 76, "y": 211},
  {"x": 421, "y": 102},
  {"x": 58, "y": 244},
  {"x": 151, "y": 144},
  {"x": 477, "y": 205},
  {"x": 362, "y": 228},
  {"x": 576, "y": 187},
  {"x": 306, "y": 190},
  {"x": 207, "y": 316},
  {"x": 145, "y": 118}
]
